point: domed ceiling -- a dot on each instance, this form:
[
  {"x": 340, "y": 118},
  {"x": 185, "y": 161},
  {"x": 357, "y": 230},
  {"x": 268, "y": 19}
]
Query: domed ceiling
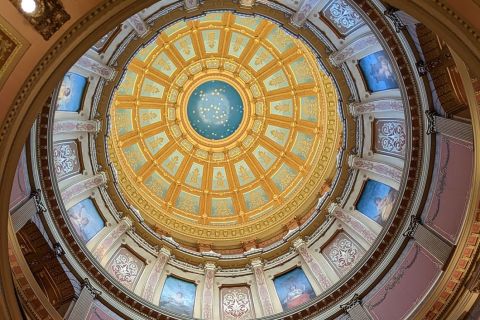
[{"x": 223, "y": 127}]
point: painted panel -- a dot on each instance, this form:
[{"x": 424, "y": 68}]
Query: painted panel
[
  {"x": 211, "y": 17},
  {"x": 343, "y": 253},
  {"x": 301, "y": 146},
  {"x": 282, "y": 108},
  {"x": 293, "y": 289},
  {"x": 125, "y": 267},
  {"x": 123, "y": 121},
  {"x": 280, "y": 40},
  {"x": 309, "y": 108},
  {"x": 134, "y": 156},
  {"x": 277, "y": 134},
  {"x": 85, "y": 219},
  {"x": 340, "y": 15},
  {"x": 188, "y": 202},
  {"x": 219, "y": 180},
  {"x": 378, "y": 72},
  {"x": 255, "y": 198},
  {"x": 238, "y": 43},
  {"x": 65, "y": 159},
  {"x": 156, "y": 142},
  {"x": 236, "y": 303},
  {"x": 302, "y": 71},
  {"x": 178, "y": 296},
  {"x": 21, "y": 186},
  {"x": 405, "y": 285},
  {"x": 195, "y": 176},
  {"x": 376, "y": 201},
  {"x": 284, "y": 177},
  {"x": 211, "y": 40},
  {"x": 244, "y": 173},
  {"x": 144, "y": 53},
  {"x": 264, "y": 157},
  {"x": 149, "y": 116},
  {"x": 260, "y": 59},
  {"x": 185, "y": 47},
  {"x": 151, "y": 89},
  {"x": 157, "y": 184},
  {"x": 390, "y": 137},
  {"x": 248, "y": 22},
  {"x": 181, "y": 25},
  {"x": 222, "y": 207},
  {"x": 276, "y": 81},
  {"x": 98, "y": 311},
  {"x": 70, "y": 95},
  {"x": 164, "y": 64},
  {"x": 450, "y": 188},
  {"x": 173, "y": 162},
  {"x": 127, "y": 86}
]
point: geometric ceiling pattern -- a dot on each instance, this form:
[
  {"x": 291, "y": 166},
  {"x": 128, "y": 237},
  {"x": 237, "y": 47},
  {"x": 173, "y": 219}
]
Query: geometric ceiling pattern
[{"x": 256, "y": 148}]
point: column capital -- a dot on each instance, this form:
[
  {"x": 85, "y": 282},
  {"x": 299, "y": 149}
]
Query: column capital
[
  {"x": 164, "y": 251},
  {"x": 414, "y": 222},
  {"x": 298, "y": 242},
  {"x": 352, "y": 303},
  {"x": 256, "y": 263},
  {"x": 332, "y": 207},
  {"x": 88, "y": 286}
]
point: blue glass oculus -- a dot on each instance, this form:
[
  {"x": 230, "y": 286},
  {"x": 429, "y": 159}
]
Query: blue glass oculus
[{"x": 215, "y": 110}]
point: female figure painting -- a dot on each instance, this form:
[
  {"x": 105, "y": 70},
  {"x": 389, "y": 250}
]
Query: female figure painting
[
  {"x": 85, "y": 219},
  {"x": 376, "y": 201},
  {"x": 293, "y": 289},
  {"x": 178, "y": 296},
  {"x": 378, "y": 72},
  {"x": 71, "y": 92}
]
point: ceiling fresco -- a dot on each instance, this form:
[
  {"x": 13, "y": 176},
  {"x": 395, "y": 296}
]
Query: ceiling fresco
[{"x": 223, "y": 127}]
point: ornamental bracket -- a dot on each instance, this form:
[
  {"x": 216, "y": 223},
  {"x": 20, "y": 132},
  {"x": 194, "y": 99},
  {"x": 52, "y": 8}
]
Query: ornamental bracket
[
  {"x": 95, "y": 292},
  {"x": 414, "y": 222},
  {"x": 430, "y": 121},
  {"x": 390, "y": 13},
  {"x": 352, "y": 303}
]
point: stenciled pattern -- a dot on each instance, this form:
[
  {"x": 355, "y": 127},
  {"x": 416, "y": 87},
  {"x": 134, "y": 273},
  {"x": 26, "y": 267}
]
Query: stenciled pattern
[
  {"x": 390, "y": 137},
  {"x": 341, "y": 15},
  {"x": 125, "y": 267},
  {"x": 236, "y": 303},
  {"x": 343, "y": 253},
  {"x": 65, "y": 159}
]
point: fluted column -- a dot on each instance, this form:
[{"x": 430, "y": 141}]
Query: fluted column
[
  {"x": 71, "y": 125},
  {"x": 138, "y": 25},
  {"x": 433, "y": 243},
  {"x": 305, "y": 9},
  {"x": 356, "y": 225},
  {"x": 155, "y": 274},
  {"x": 382, "y": 105},
  {"x": 111, "y": 238},
  {"x": 260, "y": 282},
  {"x": 381, "y": 169},
  {"x": 353, "y": 48},
  {"x": 451, "y": 128},
  {"x": 84, "y": 302},
  {"x": 24, "y": 213},
  {"x": 93, "y": 66},
  {"x": 207, "y": 296},
  {"x": 355, "y": 309},
  {"x": 312, "y": 264},
  {"x": 82, "y": 187}
]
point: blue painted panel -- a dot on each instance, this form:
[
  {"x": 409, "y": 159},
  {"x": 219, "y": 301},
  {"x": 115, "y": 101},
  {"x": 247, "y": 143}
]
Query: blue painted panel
[
  {"x": 71, "y": 92},
  {"x": 378, "y": 72}
]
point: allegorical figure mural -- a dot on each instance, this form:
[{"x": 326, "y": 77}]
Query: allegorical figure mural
[
  {"x": 178, "y": 296},
  {"x": 85, "y": 219},
  {"x": 293, "y": 289},
  {"x": 71, "y": 91},
  {"x": 376, "y": 201},
  {"x": 378, "y": 72}
]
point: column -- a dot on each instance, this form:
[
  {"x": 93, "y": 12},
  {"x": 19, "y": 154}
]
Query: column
[
  {"x": 83, "y": 186},
  {"x": 382, "y": 105},
  {"x": 355, "y": 309},
  {"x": 138, "y": 25},
  {"x": 435, "y": 245},
  {"x": 111, "y": 238},
  {"x": 450, "y": 127},
  {"x": 154, "y": 276},
  {"x": 247, "y": 3},
  {"x": 207, "y": 296},
  {"x": 381, "y": 169},
  {"x": 312, "y": 264},
  {"x": 24, "y": 213},
  {"x": 69, "y": 126},
  {"x": 85, "y": 299},
  {"x": 93, "y": 66},
  {"x": 356, "y": 225},
  {"x": 353, "y": 48},
  {"x": 305, "y": 9},
  {"x": 260, "y": 281}
]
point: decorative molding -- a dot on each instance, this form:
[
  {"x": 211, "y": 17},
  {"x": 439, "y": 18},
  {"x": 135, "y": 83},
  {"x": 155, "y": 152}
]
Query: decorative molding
[
  {"x": 390, "y": 13},
  {"x": 207, "y": 295},
  {"x": 412, "y": 227},
  {"x": 260, "y": 281},
  {"x": 83, "y": 186},
  {"x": 302, "y": 249},
  {"x": 23, "y": 214},
  {"x": 305, "y": 9},
  {"x": 383, "y": 105},
  {"x": 452, "y": 128},
  {"x": 153, "y": 280},
  {"x": 191, "y": 4},
  {"x": 378, "y": 168},
  {"x": 355, "y": 309},
  {"x": 111, "y": 238},
  {"x": 356, "y": 225},
  {"x": 138, "y": 25},
  {"x": 363, "y": 43},
  {"x": 69, "y": 126},
  {"x": 90, "y": 288},
  {"x": 247, "y": 3},
  {"x": 95, "y": 67},
  {"x": 430, "y": 121},
  {"x": 48, "y": 17}
]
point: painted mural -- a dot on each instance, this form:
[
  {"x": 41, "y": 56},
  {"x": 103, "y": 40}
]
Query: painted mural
[
  {"x": 343, "y": 253},
  {"x": 236, "y": 303},
  {"x": 293, "y": 288},
  {"x": 178, "y": 296},
  {"x": 85, "y": 219},
  {"x": 378, "y": 72},
  {"x": 66, "y": 160},
  {"x": 376, "y": 201},
  {"x": 71, "y": 92},
  {"x": 341, "y": 15},
  {"x": 390, "y": 137}
]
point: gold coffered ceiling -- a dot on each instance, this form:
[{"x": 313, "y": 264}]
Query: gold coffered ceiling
[{"x": 241, "y": 185}]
